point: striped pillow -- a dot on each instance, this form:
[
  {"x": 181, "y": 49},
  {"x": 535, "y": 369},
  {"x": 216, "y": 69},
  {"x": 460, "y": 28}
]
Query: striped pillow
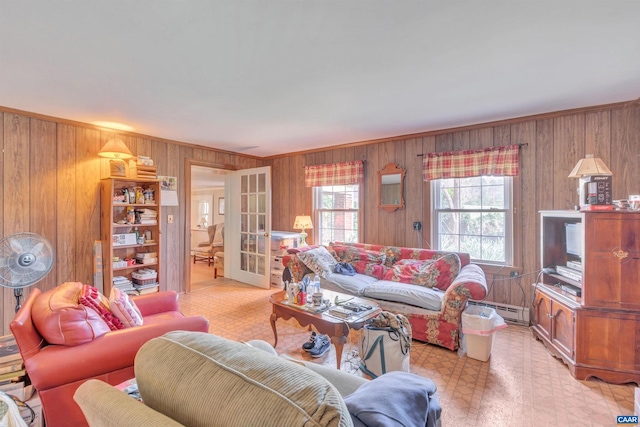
[
  {"x": 92, "y": 298},
  {"x": 124, "y": 308}
]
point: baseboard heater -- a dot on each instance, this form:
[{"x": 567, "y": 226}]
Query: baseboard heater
[{"x": 510, "y": 313}]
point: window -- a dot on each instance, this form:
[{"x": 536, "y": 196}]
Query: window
[
  {"x": 337, "y": 210},
  {"x": 474, "y": 215}
]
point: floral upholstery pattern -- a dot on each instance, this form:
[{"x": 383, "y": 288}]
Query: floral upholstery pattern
[
  {"x": 373, "y": 269},
  {"x": 346, "y": 253},
  {"x": 438, "y": 273}
]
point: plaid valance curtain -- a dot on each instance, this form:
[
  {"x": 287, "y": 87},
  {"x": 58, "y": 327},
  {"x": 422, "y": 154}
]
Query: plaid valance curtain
[
  {"x": 499, "y": 161},
  {"x": 334, "y": 174}
]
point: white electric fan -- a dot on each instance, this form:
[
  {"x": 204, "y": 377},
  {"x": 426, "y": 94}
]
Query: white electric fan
[{"x": 25, "y": 258}]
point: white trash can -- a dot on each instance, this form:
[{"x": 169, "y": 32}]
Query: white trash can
[{"x": 478, "y": 326}]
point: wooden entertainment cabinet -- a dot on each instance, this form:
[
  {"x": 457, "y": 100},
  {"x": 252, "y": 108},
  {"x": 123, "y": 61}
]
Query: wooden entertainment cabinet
[{"x": 596, "y": 334}]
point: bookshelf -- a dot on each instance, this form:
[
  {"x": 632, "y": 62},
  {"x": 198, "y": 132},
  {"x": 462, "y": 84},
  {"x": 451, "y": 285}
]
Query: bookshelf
[{"x": 130, "y": 234}]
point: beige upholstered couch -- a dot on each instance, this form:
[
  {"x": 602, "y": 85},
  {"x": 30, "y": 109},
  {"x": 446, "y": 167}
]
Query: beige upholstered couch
[{"x": 198, "y": 379}]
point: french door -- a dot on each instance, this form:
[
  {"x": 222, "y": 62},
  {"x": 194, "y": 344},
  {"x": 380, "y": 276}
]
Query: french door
[{"x": 248, "y": 226}]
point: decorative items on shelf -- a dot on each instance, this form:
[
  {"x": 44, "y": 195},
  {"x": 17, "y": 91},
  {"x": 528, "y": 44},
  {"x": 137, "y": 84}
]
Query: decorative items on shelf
[
  {"x": 632, "y": 203},
  {"x": 136, "y": 195},
  {"x": 145, "y": 168}
]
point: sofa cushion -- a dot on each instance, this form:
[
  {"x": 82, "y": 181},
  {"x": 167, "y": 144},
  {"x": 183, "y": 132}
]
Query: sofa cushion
[
  {"x": 61, "y": 319},
  {"x": 351, "y": 284},
  {"x": 124, "y": 308},
  {"x": 201, "y": 379},
  {"x": 91, "y": 297},
  {"x": 319, "y": 260},
  {"x": 401, "y": 398},
  {"x": 438, "y": 273},
  {"x": 419, "y": 296}
]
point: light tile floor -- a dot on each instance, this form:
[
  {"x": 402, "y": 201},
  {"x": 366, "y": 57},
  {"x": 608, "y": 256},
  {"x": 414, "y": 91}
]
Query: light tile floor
[{"x": 520, "y": 385}]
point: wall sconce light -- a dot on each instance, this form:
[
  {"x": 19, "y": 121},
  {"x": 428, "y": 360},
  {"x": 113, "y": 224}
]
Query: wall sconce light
[
  {"x": 594, "y": 186},
  {"x": 303, "y": 222},
  {"x": 115, "y": 149}
]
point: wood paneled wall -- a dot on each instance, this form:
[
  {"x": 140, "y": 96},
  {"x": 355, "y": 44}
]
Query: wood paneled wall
[
  {"x": 50, "y": 185},
  {"x": 555, "y": 142}
]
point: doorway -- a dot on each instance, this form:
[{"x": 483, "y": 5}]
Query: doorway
[{"x": 206, "y": 216}]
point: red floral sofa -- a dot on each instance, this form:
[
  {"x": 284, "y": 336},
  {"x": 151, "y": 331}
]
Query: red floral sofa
[{"x": 430, "y": 287}]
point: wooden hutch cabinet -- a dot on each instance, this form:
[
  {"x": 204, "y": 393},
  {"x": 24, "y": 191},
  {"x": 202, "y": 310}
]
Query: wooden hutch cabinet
[{"x": 597, "y": 332}]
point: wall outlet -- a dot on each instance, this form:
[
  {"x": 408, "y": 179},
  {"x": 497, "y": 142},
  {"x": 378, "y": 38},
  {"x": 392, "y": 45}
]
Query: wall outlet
[
  {"x": 513, "y": 274},
  {"x": 417, "y": 225},
  {"x": 170, "y": 219}
]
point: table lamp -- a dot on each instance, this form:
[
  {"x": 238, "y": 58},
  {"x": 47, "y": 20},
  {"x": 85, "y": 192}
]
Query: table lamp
[
  {"x": 303, "y": 222},
  {"x": 594, "y": 186}
]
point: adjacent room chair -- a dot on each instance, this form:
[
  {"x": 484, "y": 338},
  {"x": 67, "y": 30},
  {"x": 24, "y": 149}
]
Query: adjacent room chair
[
  {"x": 205, "y": 251},
  {"x": 85, "y": 348},
  {"x": 218, "y": 265}
]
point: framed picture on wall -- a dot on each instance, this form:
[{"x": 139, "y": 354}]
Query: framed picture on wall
[{"x": 221, "y": 206}]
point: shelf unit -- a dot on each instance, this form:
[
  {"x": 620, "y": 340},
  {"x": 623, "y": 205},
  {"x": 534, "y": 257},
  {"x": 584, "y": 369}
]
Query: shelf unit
[
  {"x": 115, "y": 222},
  {"x": 595, "y": 333}
]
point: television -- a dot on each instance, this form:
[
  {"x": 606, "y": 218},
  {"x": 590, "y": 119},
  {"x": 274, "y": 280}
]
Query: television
[{"x": 573, "y": 239}]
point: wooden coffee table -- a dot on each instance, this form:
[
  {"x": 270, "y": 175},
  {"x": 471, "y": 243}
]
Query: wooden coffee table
[{"x": 337, "y": 329}]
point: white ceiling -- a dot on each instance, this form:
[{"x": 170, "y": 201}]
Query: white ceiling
[
  {"x": 207, "y": 178},
  {"x": 269, "y": 77}
]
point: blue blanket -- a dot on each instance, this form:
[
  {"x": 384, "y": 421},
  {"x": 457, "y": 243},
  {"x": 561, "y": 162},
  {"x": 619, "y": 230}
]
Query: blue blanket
[
  {"x": 395, "y": 399},
  {"x": 345, "y": 268}
]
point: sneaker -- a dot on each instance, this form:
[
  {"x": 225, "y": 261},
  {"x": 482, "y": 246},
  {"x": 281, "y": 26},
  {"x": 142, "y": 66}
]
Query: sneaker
[
  {"x": 322, "y": 346},
  {"x": 311, "y": 343}
]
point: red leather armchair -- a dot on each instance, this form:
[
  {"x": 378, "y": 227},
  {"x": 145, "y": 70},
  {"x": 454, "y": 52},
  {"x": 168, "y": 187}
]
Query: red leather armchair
[{"x": 56, "y": 371}]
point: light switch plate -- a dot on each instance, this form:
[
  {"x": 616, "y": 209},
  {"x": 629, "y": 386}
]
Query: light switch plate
[{"x": 170, "y": 219}]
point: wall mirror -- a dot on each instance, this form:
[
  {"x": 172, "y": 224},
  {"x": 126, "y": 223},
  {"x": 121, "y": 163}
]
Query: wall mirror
[{"x": 391, "y": 188}]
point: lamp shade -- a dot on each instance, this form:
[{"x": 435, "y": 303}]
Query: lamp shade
[
  {"x": 115, "y": 149},
  {"x": 302, "y": 222},
  {"x": 590, "y": 165}
]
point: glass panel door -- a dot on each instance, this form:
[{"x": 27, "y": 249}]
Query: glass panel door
[{"x": 251, "y": 191}]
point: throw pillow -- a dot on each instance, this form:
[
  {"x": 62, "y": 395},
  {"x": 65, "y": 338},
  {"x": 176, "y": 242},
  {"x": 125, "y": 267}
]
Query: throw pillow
[
  {"x": 400, "y": 398},
  {"x": 124, "y": 308},
  {"x": 352, "y": 254},
  {"x": 60, "y": 318},
  {"x": 319, "y": 260},
  {"x": 373, "y": 269},
  {"x": 92, "y": 298},
  {"x": 439, "y": 273}
]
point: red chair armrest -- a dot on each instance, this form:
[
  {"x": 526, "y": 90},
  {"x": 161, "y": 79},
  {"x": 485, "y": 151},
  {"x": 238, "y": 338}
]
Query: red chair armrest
[
  {"x": 158, "y": 302},
  {"x": 110, "y": 352}
]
